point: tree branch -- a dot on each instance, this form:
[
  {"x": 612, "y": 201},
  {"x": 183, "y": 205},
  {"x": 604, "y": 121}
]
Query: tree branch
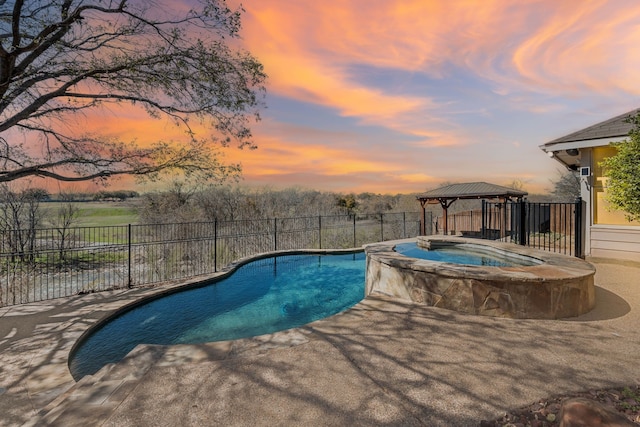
[{"x": 75, "y": 56}]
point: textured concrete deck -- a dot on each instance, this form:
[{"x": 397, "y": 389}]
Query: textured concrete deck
[{"x": 384, "y": 362}]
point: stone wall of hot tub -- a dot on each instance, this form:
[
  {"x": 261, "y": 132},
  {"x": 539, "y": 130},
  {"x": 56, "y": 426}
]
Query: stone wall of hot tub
[{"x": 559, "y": 287}]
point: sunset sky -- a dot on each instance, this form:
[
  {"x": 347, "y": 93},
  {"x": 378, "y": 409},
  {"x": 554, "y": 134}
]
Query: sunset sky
[{"x": 401, "y": 96}]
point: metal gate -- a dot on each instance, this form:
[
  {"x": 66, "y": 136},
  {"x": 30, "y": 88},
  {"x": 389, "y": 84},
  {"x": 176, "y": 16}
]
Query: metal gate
[{"x": 552, "y": 226}]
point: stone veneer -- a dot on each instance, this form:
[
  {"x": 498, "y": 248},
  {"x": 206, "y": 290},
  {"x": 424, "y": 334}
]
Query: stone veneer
[{"x": 560, "y": 286}]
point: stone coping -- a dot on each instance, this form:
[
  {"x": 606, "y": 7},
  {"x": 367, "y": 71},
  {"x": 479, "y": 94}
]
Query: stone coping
[{"x": 552, "y": 266}]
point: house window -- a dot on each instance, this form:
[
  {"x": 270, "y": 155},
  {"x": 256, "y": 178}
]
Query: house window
[{"x": 601, "y": 213}]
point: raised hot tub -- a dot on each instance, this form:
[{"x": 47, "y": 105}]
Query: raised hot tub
[{"x": 539, "y": 284}]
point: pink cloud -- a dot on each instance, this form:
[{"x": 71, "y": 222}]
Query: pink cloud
[
  {"x": 583, "y": 45},
  {"x": 308, "y": 46},
  {"x": 314, "y": 52}
]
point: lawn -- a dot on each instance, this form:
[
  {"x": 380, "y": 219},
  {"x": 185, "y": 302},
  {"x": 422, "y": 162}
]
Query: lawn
[{"x": 96, "y": 214}]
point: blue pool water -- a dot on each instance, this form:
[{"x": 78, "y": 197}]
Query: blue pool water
[
  {"x": 263, "y": 296},
  {"x": 461, "y": 254}
]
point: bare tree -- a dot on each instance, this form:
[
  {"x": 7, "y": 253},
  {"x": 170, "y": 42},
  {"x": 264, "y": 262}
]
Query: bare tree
[
  {"x": 61, "y": 60},
  {"x": 20, "y": 216},
  {"x": 172, "y": 206},
  {"x": 63, "y": 221},
  {"x": 566, "y": 186},
  {"x": 223, "y": 203}
]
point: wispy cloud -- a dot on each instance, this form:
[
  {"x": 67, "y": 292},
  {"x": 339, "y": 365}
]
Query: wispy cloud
[
  {"x": 437, "y": 75},
  {"x": 397, "y": 95},
  {"x": 583, "y": 46},
  {"x": 308, "y": 46}
]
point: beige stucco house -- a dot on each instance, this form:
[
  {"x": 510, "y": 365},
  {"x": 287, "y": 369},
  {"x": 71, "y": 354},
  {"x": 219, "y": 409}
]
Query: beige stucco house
[{"x": 608, "y": 233}]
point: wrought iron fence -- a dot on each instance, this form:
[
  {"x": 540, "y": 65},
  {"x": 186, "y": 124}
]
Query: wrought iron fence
[
  {"x": 51, "y": 263},
  {"x": 552, "y": 226}
]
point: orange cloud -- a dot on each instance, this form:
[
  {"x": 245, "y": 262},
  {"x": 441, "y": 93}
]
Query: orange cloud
[
  {"x": 401, "y": 66},
  {"x": 308, "y": 47},
  {"x": 326, "y": 159},
  {"x": 310, "y": 50},
  {"x": 289, "y": 157},
  {"x": 128, "y": 122},
  {"x": 302, "y": 59},
  {"x": 583, "y": 44}
]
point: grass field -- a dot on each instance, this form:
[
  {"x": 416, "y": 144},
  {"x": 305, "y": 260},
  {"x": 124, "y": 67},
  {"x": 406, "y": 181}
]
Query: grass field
[{"x": 96, "y": 214}]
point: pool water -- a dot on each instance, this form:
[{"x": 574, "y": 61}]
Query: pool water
[
  {"x": 461, "y": 254},
  {"x": 263, "y": 296}
]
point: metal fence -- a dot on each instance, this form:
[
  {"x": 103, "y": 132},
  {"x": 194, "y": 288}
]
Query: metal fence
[
  {"x": 551, "y": 226},
  {"x": 51, "y": 263}
]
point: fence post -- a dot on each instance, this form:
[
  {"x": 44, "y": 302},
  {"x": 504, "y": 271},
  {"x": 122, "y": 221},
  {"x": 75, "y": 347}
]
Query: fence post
[
  {"x": 319, "y": 231},
  {"x": 503, "y": 233},
  {"x": 579, "y": 229},
  {"x": 483, "y": 232},
  {"x": 275, "y": 234},
  {"x": 404, "y": 225},
  {"x": 129, "y": 247},
  {"x": 215, "y": 245},
  {"x": 354, "y": 230},
  {"x": 523, "y": 223}
]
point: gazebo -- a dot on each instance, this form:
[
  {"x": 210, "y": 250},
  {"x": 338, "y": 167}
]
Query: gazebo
[{"x": 471, "y": 190}]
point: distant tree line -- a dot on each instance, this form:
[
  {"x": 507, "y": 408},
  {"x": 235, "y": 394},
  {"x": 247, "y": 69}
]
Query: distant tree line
[
  {"x": 181, "y": 204},
  {"x": 42, "y": 195},
  {"x": 115, "y": 195}
]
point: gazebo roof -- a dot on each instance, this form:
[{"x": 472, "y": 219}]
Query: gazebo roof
[{"x": 471, "y": 190}]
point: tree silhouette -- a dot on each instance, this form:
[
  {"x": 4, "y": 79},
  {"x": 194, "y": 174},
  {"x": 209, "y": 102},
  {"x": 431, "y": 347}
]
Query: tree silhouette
[{"x": 62, "y": 60}]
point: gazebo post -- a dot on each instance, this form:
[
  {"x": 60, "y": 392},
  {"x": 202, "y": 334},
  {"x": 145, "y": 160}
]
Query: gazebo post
[
  {"x": 423, "y": 220},
  {"x": 445, "y": 215},
  {"x": 445, "y": 218}
]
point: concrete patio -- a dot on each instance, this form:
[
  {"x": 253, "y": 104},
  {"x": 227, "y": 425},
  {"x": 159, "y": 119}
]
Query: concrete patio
[{"x": 385, "y": 362}]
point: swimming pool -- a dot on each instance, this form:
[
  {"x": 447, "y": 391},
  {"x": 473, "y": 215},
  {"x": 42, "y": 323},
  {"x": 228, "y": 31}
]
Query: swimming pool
[
  {"x": 260, "y": 297},
  {"x": 464, "y": 253}
]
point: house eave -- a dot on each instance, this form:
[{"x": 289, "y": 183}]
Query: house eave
[
  {"x": 561, "y": 151},
  {"x": 589, "y": 143}
]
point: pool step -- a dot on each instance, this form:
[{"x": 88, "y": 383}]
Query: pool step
[{"x": 96, "y": 396}]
